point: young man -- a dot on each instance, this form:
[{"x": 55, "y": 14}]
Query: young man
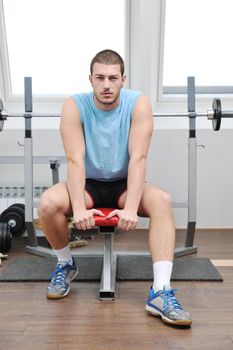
[{"x": 106, "y": 136}]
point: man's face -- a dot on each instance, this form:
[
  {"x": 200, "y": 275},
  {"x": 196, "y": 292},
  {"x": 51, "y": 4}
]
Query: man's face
[{"x": 107, "y": 82}]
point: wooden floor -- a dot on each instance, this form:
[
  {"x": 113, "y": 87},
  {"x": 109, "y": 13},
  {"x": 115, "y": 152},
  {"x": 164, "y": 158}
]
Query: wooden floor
[{"x": 29, "y": 321}]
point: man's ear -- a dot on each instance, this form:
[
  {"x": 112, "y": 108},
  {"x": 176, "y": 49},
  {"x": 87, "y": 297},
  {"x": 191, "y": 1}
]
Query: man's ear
[
  {"x": 123, "y": 80},
  {"x": 90, "y": 78}
]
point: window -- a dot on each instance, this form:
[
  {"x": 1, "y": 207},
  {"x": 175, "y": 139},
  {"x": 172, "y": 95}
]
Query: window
[
  {"x": 197, "y": 41},
  {"x": 54, "y": 41}
]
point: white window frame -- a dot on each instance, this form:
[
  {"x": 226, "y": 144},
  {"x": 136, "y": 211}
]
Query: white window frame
[
  {"x": 45, "y": 103},
  {"x": 178, "y": 101},
  {"x": 144, "y": 47}
]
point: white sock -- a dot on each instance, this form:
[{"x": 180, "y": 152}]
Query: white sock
[
  {"x": 64, "y": 255},
  {"x": 162, "y": 274}
]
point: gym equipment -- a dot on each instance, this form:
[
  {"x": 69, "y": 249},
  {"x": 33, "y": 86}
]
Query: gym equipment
[
  {"x": 18, "y": 205},
  {"x": 14, "y": 216},
  {"x": 5, "y": 237},
  {"x": 108, "y": 278},
  {"x": 11, "y": 223},
  {"x": 216, "y": 121},
  {"x": 1, "y": 117},
  {"x": 215, "y": 114}
]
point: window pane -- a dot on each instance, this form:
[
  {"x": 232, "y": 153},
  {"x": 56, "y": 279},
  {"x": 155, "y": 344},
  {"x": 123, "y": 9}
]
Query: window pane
[
  {"x": 198, "y": 36},
  {"x": 54, "y": 41}
]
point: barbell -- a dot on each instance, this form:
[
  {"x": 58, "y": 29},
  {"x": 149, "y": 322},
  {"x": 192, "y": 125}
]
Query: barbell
[{"x": 215, "y": 113}]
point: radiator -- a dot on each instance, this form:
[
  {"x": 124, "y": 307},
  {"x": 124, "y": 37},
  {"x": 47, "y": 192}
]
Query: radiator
[{"x": 15, "y": 194}]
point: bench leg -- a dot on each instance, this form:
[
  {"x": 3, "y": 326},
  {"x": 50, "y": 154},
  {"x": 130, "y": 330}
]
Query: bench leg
[{"x": 108, "y": 279}]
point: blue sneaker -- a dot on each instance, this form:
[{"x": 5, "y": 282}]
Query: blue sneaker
[
  {"x": 60, "y": 284},
  {"x": 164, "y": 303}
]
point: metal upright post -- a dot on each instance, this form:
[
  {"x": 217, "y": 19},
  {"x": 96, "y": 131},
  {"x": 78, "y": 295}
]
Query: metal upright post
[
  {"x": 192, "y": 165},
  {"x": 108, "y": 278},
  {"x": 54, "y": 166},
  {"x": 28, "y": 163}
]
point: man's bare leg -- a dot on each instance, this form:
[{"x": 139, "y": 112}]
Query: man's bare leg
[
  {"x": 157, "y": 205},
  {"x": 53, "y": 208}
]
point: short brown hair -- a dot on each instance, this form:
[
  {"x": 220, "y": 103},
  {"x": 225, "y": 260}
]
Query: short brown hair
[{"x": 108, "y": 57}]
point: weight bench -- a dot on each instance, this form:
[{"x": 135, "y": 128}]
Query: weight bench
[{"x": 107, "y": 228}]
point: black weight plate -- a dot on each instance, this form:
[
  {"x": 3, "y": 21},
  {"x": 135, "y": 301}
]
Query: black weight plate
[
  {"x": 20, "y": 228},
  {"x": 217, "y": 108},
  {"x": 19, "y": 208},
  {"x": 2, "y": 234},
  {"x": 2, "y": 243},
  {"x": 15, "y": 214},
  {"x": 1, "y": 105},
  {"x": 5, "y": 237},
  {"x": 5, "y": 233},
  {"x": 216, "y": 124},
  {"x": 8, "y": 237},
  {"x": 19, "y": 205},
  {"x": 1, "y": 121}
]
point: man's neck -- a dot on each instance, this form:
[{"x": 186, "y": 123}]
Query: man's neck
[{"x": 106, "y": 106}]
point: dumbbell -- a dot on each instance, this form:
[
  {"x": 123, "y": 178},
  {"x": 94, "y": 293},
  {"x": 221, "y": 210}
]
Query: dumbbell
[{"x": 14, "y": 216}]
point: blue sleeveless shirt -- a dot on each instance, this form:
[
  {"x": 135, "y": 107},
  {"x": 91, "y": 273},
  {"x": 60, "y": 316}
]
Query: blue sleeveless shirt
[{"x": 106, "y": 135}]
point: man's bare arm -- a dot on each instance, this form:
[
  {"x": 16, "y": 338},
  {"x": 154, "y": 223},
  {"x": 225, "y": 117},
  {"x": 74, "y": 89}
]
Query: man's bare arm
[
  {"x": 73, "y": 141},
  {"x": 74, "y": 145},
  {"x": 139, "y": 141}
]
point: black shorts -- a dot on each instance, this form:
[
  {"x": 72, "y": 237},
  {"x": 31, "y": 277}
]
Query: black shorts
[{"x": 105, "y": 194}]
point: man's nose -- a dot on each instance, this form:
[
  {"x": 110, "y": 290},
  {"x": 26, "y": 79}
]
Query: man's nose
[{"x": 106, "y": 83}]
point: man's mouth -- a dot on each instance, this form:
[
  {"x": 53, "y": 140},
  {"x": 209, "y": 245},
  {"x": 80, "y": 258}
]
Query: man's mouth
[{"x": 106, "y": 93}]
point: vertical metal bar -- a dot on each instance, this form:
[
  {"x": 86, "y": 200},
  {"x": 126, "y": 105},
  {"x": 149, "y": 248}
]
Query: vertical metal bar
[
  {"x": 28, "y": 163},
  {"x": 28, "y": 94},
  {"x": 191, "y": 107},
  {"x": 108, "y": 279},
  {"x": 107, "y": 262},
  {"x": 54, "y": 166},
  {"x": 192, "y": 164}
]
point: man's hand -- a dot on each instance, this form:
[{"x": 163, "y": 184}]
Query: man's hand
[
  {"x": 127, "y": 219},
  {"x": 84, "y": 219}
]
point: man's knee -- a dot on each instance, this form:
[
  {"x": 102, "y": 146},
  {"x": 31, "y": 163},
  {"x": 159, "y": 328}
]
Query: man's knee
[
  {"x": 157, "y": 199},
  {"x": 165, "y": 199},
  {"x": 48, "y": 204}
]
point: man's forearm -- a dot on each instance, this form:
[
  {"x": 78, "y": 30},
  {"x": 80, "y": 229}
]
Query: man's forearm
[
  {"x": 76, "y": 184},
  {"x": 135, "y": 183}
]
